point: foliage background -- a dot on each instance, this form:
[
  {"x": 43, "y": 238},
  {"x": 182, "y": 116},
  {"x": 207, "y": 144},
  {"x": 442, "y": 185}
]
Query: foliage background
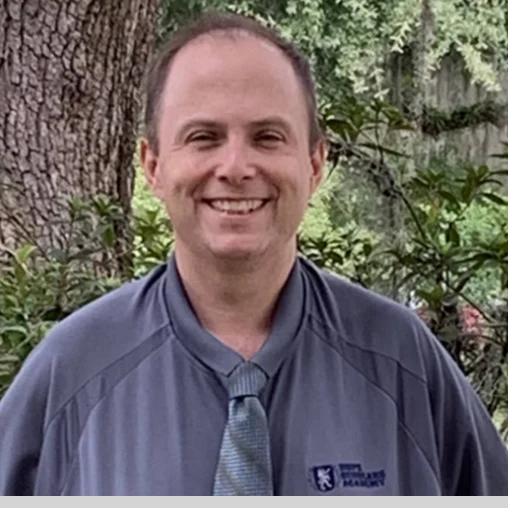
[{"x": 399, "y": 212}]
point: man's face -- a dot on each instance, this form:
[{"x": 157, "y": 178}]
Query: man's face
[{"x": 234, "y": 168}]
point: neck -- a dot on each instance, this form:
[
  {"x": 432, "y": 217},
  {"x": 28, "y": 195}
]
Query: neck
[{"x": 235, "y": 299}]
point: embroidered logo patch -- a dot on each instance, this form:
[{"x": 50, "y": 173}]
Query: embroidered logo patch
[
  {"x": 323, "y": 478},
  {"x": 329, "y": 477}
]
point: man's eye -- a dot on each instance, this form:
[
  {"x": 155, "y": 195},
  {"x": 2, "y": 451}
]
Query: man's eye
[
  {"x": 202, "y": 137},
  {"x": 269, "y": 137}
]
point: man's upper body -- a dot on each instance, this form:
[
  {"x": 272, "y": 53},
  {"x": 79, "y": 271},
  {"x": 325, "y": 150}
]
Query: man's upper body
[{"x": 127, "y": 395}]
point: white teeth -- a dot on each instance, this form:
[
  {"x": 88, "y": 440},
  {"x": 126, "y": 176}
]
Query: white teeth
[{"x": 238, "y": 206}]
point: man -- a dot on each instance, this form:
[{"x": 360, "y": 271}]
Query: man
[{"x": 239, "y": 367}]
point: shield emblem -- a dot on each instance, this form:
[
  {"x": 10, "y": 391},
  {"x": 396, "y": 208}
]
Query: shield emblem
[{"x": 323, "y": 478}]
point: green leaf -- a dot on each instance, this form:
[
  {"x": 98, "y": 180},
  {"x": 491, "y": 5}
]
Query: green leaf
[
  {"x": 23, "y": 253},
  {"x": 8, "y": 358},
  {"x": 396, "y": 120},
  {"x": 467, "y": 190},
  {"x": 12, "y": 300},
  {"x": 109, "y": 236},
  {"x": 13, "y": 328},
  {"x": 452, "y": 235},
  {"x": 466, "y": 277},
  {"x": 498, "y": 200},
  {"x": 20, "y": 272},
  {"x": 344, "y": 129},
  {"x": 483, "y": 171},
  {"x": 448, "y": 196},
  {"x": 431, "y": 297},
  {"x": 499, "y": 183},
  {"x": 357, "y": 116},
  {"x": 402, "y": 127},
  {"x": 82, "y": 254},
  {"x": 152, "y": 215},
  {"x": 367, "y": 249}
]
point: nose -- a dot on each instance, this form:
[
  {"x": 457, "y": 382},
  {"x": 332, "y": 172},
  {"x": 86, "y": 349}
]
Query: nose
[{"x": 235, "y": 165}]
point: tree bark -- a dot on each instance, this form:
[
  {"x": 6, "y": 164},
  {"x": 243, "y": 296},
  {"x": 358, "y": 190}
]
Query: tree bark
[
  {"x": 421, "y": 70},
  {"x": 70, "y": 74}
]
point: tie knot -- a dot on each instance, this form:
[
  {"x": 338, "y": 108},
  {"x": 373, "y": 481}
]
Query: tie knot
[{"x": 246, "y": 379}]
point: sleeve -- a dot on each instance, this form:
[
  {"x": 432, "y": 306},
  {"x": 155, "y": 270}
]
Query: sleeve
[
  {"x": 22, "y": 416},
  {"x": 473, "y": 457}
]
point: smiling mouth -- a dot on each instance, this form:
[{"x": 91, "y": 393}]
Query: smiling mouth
[{"x": 236, "y": 206}]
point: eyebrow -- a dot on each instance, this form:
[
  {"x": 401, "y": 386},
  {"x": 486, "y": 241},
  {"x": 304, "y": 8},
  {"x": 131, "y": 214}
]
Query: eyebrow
[{"x": 273, "y": 121}]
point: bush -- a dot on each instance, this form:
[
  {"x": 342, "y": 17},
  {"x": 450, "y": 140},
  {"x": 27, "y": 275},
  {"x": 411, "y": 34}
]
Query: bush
[
  {"x": 39, "y": 288},
  {"x": 460, "y": 240}
]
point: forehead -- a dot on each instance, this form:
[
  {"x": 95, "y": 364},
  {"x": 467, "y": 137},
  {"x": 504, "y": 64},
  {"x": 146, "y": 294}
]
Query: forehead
[{"x": 225, "y": 73}]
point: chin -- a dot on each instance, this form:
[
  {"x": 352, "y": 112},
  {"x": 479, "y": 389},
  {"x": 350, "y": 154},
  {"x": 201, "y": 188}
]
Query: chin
[
  {"x": 237, "y": 250},
  {"x": 236, "y": 254}
]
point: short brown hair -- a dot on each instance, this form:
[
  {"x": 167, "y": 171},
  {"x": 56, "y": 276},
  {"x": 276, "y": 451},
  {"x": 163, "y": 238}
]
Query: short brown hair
[{"x": 159, "y": 68}]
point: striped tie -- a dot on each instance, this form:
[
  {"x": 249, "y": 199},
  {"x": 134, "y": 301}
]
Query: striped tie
[{"x": 244, "y": 467}]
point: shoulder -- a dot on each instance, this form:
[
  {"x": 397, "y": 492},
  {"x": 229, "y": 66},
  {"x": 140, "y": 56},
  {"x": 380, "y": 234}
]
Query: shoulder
[
  {"x": 120, "y": 325},
  {"x": 393, "y": 348},
  {"x": 368, "y": 324}
]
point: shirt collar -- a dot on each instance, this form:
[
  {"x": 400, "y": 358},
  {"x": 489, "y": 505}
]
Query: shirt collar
[{"x": 206, "y": 348}]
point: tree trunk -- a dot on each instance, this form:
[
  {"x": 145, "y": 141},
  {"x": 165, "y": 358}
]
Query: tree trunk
[
  {"x": 422, "y": 72},
  {"x": 70, "y": 73}
]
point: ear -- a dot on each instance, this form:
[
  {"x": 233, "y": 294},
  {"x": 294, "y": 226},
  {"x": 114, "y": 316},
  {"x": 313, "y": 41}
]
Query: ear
[
  {"x": 150, "y": 163},
  {"x": 318, "y": 161}
]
